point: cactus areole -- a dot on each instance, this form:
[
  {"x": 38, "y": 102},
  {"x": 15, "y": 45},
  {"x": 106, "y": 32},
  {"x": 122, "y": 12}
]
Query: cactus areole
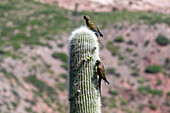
[{"x": 84, "y": 95}]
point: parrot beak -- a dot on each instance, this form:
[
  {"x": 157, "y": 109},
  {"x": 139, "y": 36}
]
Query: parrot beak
[{"x": 84, "y": 17}]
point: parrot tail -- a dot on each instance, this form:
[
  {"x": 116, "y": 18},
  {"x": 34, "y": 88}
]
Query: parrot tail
[
  {"x": 99, "y": 34},
  {"x": 99, "y": 40},
  {"x": 106, "y": 81}
]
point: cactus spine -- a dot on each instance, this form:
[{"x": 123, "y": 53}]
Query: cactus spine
[{"x": 84, "y": 96}]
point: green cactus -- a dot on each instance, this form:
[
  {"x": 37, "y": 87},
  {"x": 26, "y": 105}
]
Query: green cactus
[{"x": 84, "y": 95}]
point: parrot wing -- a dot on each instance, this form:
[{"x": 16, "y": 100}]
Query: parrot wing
[
  {"x": 102, "y": 69},
  {"x": 103, "y": 73},
  {"x": 92, "y": 26}
]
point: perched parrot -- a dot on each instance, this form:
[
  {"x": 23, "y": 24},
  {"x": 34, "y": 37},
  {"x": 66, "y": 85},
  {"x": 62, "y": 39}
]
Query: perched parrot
[
  {"x": 92, "y": 27},
  {"x": 100, "y": 72}
]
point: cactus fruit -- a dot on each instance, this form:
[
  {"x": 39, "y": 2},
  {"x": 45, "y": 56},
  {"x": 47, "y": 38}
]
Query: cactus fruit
[{"x": 84, "y": 95}]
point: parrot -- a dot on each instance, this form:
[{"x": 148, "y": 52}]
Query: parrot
[
  {"x": 92, "y": 27},
  {"x": 100, "y": 71}
]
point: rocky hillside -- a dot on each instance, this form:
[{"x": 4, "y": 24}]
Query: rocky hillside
[
  {"x": 33, "y": 58},
  {"x": 162, "y": 6}
]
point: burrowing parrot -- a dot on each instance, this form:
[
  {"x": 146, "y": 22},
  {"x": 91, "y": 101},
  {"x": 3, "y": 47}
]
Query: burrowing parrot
[
  {"x": 92, "y": 27},
  {"x": 100, "y": 72}
]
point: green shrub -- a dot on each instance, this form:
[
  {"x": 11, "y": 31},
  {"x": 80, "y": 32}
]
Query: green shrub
[
  {"x": 62, "y": 56},
  {"x": 48, "y": 102},
  {"x": 168, "y": 94},
  {"x": 130, "y": 42},
  {"x": 113, "y": 92},
  {"x": 164, "y": 72},
  {"x": 113, "y": 103},
  {"x": 140, "y": 81},
  {"x": 110, "y": 70},
  {"x": 153, "y": 69},
  {"x": 135, "y": 55},
  {"x": 61, "y": 45},
  {"x": 9, "y": 75},
  {"x": 162, "y": 40},
  {"x": 16, "y": 45},
  {"x": 9, "y": 54},
  {"x": 2, "y": 52},
  {"x": 146, "y": 43},
  {"x": 64, "y": 66},
  {"x": 113, "y": 49},
  {"x": 64, "y": 76},
  {"x": 117, "y": 74},
  {"x": 141, "y": 106},
  {"x": 147, "y": 90},
  {"x": 119, "y": 39},
  {"x": 167, "y": 103},
  {"x": 135, "y": 72},
  {"x": 32, "y": 102},
  {"x": 62, "y": 86},
  {"x": 130, "y": 50},
  {"x": 121, "y": 57},
  {"x": 123, "y": 102},
  {"x": 28, "y": 109},
  {"x": 40, "y": 85},
  {"x": 50, "y": 71},
  {"x": 167, "y": 63},
  {"x": 6, "y": 7},
  {"x": 14, "y": 104},
  {"x": 156, "y": 92},
  {"x": 36, "y": 22},
  {"x": 153, "y": 106},
  {"x": 159, "y": 82}
]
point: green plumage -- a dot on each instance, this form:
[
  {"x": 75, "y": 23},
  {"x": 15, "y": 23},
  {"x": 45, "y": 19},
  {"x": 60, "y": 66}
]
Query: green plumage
[
  {"x": 101, "y": 73},
  {"x": 92, "y": 27}
]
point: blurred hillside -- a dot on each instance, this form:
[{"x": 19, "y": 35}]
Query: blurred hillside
[
  {"x": 33, "y": 58},
  {"x": 162, "y": 6}
]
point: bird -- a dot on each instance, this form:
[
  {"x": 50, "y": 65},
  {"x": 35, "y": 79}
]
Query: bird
[
  {"x": 93, "y": 27},
  {"x": 100, "y": 71}
]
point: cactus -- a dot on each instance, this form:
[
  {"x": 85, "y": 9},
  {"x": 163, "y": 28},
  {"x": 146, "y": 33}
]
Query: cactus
[{"x": 84, "y": 95}]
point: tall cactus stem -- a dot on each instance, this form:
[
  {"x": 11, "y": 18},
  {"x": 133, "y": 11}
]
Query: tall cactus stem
[{"x": 84, "y": 95}]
